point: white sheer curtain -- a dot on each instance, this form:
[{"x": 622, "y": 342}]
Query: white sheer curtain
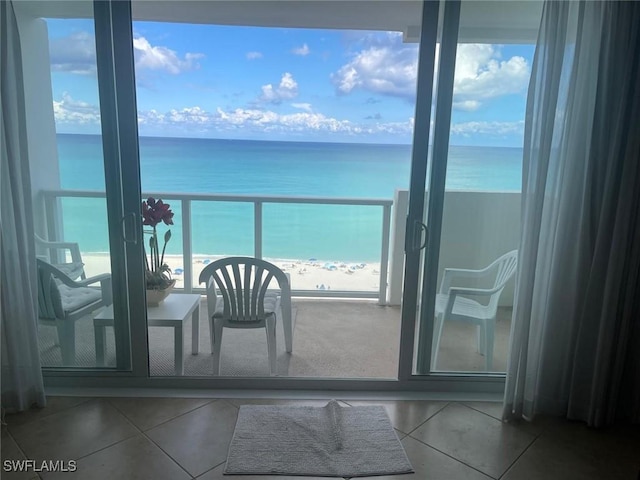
[
  {"x": 21, "y": 374},
  {"x": 575, "y": 340}
]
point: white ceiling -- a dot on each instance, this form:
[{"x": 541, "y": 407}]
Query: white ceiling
[{"x": 494, "y": 21}]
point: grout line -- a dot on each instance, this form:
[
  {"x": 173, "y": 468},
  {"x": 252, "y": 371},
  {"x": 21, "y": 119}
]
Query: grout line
[
  {"x": 98, "y": 399},
  {"x": 452, "y": 457},
  {"x": 176, "y": 461},
  {"x": 167, "y": 454},
  {"x": 519, "y": 457},
  {"x": 48, "y": 414},
  {"x": 212, "y": 468},
  {"x": 165, "y": 421},
  {"x": 480, "y": 411},
  {"x": 150, "y": 440},
  {"x": 430, "y": 417}
]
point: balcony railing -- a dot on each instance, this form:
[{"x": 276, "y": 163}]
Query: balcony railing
[{"x": 52, "y": 205}]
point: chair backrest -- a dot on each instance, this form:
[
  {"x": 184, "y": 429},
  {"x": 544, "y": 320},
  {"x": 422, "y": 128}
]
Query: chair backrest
[
  {"x": 506, "y": 267},
  {"x": 243, "y": 284},
  {"x": 49, "y": 299},
  {"x": 54, "y": 253}
]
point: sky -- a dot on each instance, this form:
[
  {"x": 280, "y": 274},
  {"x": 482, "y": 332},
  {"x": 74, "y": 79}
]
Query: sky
[{"x": 213, "y": 81}]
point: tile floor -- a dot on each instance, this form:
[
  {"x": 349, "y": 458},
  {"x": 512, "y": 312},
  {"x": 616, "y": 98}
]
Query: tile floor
[{"x": 186, "y": 438}]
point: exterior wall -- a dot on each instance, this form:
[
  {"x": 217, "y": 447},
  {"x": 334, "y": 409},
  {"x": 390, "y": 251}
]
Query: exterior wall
[
  {"x": 41, "y": 128},
  {"x": 477, "y": 227}
]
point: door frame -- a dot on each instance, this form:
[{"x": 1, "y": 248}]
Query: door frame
[{"x": 121, "y": 139}]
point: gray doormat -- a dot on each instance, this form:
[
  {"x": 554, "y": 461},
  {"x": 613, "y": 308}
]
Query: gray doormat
[{"x": 330, "y": 441}]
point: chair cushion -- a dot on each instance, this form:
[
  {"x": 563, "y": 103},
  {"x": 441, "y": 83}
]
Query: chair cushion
[
  {"x": 73, "y": 299},
  {"x": 72, "y": 270},
  {"x": 270, "y": 303}
]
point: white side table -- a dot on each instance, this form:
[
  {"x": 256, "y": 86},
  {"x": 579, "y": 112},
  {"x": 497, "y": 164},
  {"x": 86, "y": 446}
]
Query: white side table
[{"x": 172, "y": 312}]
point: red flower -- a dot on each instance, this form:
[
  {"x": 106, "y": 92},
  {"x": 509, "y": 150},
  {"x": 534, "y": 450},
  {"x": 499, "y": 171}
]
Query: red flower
[{"x": 156, "y": 211}]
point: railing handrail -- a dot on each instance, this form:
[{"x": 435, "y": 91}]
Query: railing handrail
[
  {"x": 223, "y": 197},
  {"x": 257, "y": 201}
]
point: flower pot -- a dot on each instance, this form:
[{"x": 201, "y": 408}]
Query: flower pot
[{"x": 155, "y": 296}]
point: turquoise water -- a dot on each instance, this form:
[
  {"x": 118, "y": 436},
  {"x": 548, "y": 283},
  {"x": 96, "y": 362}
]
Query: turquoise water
[{"x": 271, "y": 168}]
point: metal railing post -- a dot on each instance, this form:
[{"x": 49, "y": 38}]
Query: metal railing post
[
  {"x": 257, "y": 228},
  {"x": 384, "y": 257},
  {"x": 187, "y": 253}
]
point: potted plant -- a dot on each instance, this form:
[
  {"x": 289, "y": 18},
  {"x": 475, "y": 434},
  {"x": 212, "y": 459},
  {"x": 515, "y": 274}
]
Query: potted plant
[{"x": 157, "y": 273}]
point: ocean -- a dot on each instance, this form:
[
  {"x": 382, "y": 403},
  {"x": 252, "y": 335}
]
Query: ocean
[{"x": 295, "y": 231}]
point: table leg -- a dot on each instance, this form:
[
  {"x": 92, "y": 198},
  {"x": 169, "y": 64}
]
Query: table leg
[
  {"x": 100, "y": 340},
  {"x": 285, "y": 308},
  {"x": 195, "y": 330},
  {"x": 178, "y": 341}
]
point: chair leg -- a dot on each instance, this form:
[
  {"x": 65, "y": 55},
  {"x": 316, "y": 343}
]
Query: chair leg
[
  {"x": 270, "y": 327},
  {"x": 489, "y": 340},
  {"x": 437, "y": 335},
  {"x": 67, "y": 337},
  {"x": 481, "y": 346},
  {"x": 211, "y": 333},
  {"x": 216, "y": 345}
]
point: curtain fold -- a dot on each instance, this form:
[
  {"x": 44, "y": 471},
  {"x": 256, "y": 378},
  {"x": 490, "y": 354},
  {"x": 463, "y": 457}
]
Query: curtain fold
[
  {"x": 574, "y": 347},
  {"x": 22, "y": 384}
]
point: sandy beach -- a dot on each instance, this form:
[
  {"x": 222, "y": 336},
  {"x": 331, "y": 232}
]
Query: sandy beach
[{"x": 310, "y": 274}]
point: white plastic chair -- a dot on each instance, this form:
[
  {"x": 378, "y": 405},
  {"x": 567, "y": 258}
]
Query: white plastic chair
[
  {"x": 247, "y": 302},
  {"x": 62, "y": 301},
  {"x": 48, "y": 252},
  {"x": 453, "y": 303}
]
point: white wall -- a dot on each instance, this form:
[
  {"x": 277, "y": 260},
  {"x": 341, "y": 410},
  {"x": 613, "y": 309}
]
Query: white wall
[
  {"x": 41, "y": 129},
  {"x": 477, "y": 227}
]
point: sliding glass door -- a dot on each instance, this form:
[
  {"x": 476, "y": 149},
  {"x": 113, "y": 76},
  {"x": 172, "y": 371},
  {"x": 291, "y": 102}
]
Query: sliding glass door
[
  {"x": 264, "y": 159},
  {"x": 287, "y": 139},
  {"x": 80, "y": 150},
  {"x": 473, "y": 209}
]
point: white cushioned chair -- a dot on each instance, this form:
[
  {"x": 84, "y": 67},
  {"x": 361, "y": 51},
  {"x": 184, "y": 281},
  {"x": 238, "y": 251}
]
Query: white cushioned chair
[
  {"x": 62, "y": 301},
  {"x": 54, "y": 253},
  {"x": 477, "y": 306},
  {"x": 245, "y": 301}
]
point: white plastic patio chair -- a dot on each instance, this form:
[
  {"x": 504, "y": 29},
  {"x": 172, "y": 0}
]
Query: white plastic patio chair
[
  {"x": 245, "y": 301},
  {"x": 62, "y": 301},
  {"x": 453, "y": 303},
  {"x": 47, "y": 251}
]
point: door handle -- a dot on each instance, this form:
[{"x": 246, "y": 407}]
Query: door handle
[
  {"x": 123, "y": 224},
  {"x": 413, "y": 237},
  {"x": 418, "y": 243}
]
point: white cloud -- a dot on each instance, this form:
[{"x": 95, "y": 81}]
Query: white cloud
[
  {"x": 152, "y": 57},
  {"x": 481, "y": 75},
  {"x": 196, "y": 119},
  {"x": 75, "y": 53},
  {"x": 467, "y": 105},
  {"x": 467, "y": 129},
  {"x": 259, "y": 121},
  {"x": 388, "y": 67},
  {"x": 286, "y": 90},
  {"x": 254, "y": 55},
  {"x": 302, "y": 106},
  {"x": 70, "y": 111},
  {"x": 302, "y": 51}
]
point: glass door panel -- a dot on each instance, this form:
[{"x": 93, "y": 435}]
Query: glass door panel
[
  {"x": 74, "y": 234},
  {"x": 284, "y": 138},
  {"x": 474, "y": 216}
]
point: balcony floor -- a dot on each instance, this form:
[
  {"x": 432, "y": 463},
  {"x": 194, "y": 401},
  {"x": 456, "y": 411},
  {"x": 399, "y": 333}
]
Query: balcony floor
[{"x": 332, "y": 338}]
